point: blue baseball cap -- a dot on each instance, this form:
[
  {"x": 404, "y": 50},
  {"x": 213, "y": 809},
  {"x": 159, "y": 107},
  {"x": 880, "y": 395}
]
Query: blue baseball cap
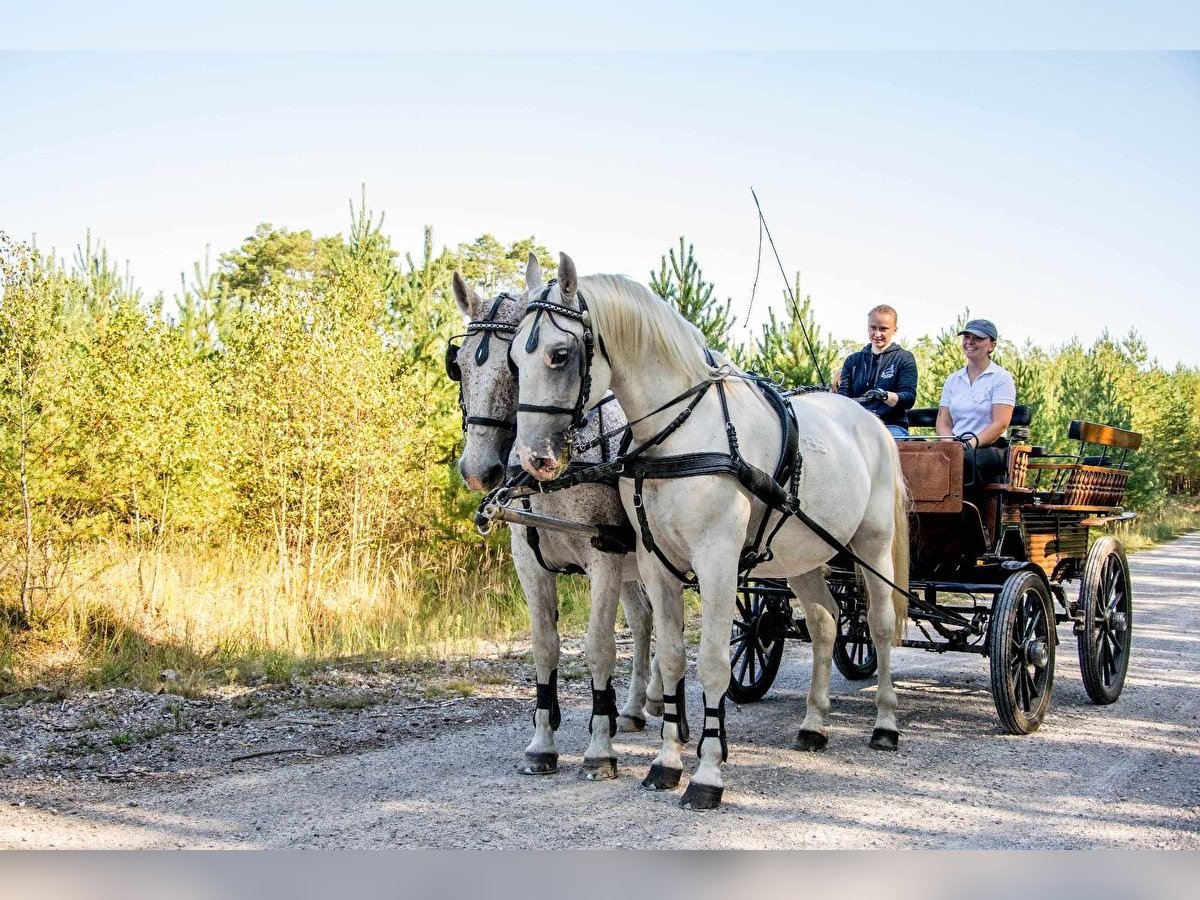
[{"x": 981, "y": 328}]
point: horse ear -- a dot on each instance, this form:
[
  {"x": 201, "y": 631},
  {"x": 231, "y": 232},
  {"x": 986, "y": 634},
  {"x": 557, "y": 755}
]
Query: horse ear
[
  {"x": 533, "y": 274},
  {"x": 568, "y": 281},
  {"x": 465, "y": 296}
]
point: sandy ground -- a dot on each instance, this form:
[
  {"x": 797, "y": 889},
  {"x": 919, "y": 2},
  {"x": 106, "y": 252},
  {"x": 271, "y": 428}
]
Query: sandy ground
[{"x": 413, "y": 772}]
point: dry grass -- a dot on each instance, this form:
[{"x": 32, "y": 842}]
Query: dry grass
[
  {"x": 1177, "y": 516},
  {"x": 237, "y": 615}
]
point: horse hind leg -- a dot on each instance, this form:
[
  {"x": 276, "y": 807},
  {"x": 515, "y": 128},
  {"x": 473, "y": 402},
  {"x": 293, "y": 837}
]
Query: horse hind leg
[
  {"x": 881, "y": 618},
  {"x": 639, "y": 616},
  {"x": 820, "y": 612},
  {"x": 541, "y": 594}
]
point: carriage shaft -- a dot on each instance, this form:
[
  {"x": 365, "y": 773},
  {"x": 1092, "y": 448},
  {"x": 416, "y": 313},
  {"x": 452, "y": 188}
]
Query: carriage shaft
[{"x": 495, "y": 511}]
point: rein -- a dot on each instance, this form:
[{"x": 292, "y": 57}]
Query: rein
[{"x": 487, "y": 326}]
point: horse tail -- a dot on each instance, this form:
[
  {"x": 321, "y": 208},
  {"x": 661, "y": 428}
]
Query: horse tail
[{"x": 900, "y": 550}]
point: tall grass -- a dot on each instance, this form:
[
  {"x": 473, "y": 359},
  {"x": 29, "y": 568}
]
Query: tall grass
[
  {"x": 1176, "y": 516},
  {"x": 236, "y": 614}
]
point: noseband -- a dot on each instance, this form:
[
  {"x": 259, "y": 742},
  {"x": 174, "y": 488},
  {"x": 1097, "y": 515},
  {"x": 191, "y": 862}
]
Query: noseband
[
  {"x": 487, "y": 326},
  {"x": 544, "y": 306}
]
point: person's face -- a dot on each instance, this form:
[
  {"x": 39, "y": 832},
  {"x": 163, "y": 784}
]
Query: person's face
[
  {"x": 975, "y": 348},
  {"x": 881, "y": 328}
]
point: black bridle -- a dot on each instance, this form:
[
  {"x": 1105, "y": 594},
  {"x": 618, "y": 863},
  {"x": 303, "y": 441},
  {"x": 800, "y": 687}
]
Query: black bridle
[
  {"x": 543, "y": 307},
  {"x": 487, "y": 326}
]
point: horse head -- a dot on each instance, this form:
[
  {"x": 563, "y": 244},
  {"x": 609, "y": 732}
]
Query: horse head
[
  {"x": 562, "y": 369},
  {"x": 487, "y": 387}
]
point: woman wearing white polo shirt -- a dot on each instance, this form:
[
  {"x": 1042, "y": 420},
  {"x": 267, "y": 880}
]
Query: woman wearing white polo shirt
[{"x": 977, "y": 403}]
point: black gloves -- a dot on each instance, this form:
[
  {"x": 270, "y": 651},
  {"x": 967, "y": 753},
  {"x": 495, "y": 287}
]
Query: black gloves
[{"x": 874, "y": 394}]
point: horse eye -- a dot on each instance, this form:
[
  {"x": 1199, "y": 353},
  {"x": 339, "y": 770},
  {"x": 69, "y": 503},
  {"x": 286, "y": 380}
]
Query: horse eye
[{"x": 559, "y": 357}]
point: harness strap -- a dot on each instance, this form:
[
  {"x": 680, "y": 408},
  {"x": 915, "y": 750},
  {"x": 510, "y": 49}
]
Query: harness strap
[
  {"x": 648, "y": 535},
  {"x": 484, "y": 421},
  {"x": 535, "y": 544},
  {"x": 767, "y": 488}
]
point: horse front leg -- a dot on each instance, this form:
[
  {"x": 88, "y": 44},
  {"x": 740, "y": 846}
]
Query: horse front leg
[
  {"x": 716, "y": 572},
  {"x": 600, "y": 760},
  {"x": 638, "y": 614},
  {"x": 541, "y": 595},
  {"x": 666, "y": 598},
  {"x": 820, "y": 612}
]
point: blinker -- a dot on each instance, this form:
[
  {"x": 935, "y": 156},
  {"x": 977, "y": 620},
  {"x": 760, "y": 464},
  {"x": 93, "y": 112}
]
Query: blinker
[{"x": 452, "y": 368}]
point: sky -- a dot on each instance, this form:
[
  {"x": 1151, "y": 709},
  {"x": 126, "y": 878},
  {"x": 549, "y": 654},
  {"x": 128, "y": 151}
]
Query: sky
[{"x": 1055, "y": 192}]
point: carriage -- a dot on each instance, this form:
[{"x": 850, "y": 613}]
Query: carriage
[{"x": 995, "y": 568}]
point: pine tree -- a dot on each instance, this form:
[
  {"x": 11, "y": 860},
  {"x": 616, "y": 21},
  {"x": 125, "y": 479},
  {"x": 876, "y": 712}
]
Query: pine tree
[
  {"x": 680, "y": 283},
  {"x": 783, "y": 352}
]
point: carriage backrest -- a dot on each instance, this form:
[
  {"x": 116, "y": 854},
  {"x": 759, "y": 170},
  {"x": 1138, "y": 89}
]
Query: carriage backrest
[
  {"x": 1105, "y": 435},
  {"x": 926, "y": 416}
]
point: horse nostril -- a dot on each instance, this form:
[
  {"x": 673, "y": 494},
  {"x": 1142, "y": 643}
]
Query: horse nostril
[
  {"x": 543, "y": 462},
  {"x": 494, "y": 475}
]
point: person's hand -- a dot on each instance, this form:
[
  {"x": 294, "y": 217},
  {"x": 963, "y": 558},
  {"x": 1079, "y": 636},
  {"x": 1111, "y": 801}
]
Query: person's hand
[
  {"x": 969, "y": 441},
  {"x": 875, "y": 394}
]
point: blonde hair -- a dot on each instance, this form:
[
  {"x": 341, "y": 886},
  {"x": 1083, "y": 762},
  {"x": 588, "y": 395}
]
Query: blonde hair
[{"x": 884, "y": 309}]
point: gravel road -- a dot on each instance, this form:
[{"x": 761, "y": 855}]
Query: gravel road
[{"x": 442, "y": 774}]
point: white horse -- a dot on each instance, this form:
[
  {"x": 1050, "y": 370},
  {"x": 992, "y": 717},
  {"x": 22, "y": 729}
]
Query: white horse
[
  {"x": 581, "y": 337},
  {"x": 489, "y": 400}
]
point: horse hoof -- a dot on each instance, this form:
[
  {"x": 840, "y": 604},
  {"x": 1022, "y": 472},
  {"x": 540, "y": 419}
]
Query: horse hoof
[
  {"x": 701, "y": 796},
  {"x": 601, "y": 769},
  {"x": 630, "y": 723},
  {"x": 653, "y": 708},
  {"x": 539, "y": 764},
  {"x": 661, "y": 778},
  {"x": 810, "y": 740},
  {"x": 885, "y": 739}
]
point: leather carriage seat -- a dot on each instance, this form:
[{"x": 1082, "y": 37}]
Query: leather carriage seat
[{"x": 926, "y": 416}]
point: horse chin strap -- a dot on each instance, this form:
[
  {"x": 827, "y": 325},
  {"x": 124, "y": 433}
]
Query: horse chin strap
[{"x": 543, "y": 306}]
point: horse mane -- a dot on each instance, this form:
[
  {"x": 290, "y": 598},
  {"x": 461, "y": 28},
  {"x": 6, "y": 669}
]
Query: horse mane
[{"x": 632, "y": 318}]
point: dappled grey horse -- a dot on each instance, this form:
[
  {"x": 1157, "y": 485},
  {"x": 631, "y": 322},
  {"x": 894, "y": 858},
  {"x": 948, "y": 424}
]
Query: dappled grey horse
[{"x": 489, "y": 400}]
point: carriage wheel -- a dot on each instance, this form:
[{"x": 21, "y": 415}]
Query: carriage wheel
[
  {"x": 755, "y": 647},
  {"x": 1021, "y": 645},
  {"x": 1107, "y": 603},
  {"x": 853, "y": 651}
]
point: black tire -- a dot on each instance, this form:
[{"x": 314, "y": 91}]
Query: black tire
[
  {"x": 1021, "y": 645},
  {"x": 853, "y": 650},
  {"x": 755, "y": 647},
  {"x": 1106, "y": 599}
]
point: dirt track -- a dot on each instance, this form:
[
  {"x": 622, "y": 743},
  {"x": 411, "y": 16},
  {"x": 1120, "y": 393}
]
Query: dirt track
[{"x": 1118, "y": 776}]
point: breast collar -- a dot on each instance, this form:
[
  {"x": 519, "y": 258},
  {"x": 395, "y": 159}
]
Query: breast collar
[{"x": 544, "y": 308}]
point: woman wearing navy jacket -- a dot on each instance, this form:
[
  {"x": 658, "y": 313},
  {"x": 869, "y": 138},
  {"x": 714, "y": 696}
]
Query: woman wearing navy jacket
[{"x": 882, "y": 375}]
